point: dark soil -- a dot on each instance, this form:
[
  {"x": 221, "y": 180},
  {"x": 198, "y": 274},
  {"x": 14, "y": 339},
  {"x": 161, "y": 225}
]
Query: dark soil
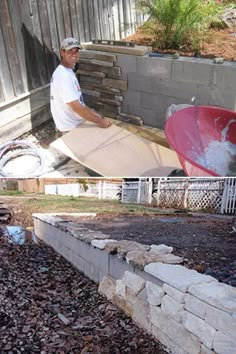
[
  {"x": 37, "y": 287},
  {"x": 204, "y": 241}
]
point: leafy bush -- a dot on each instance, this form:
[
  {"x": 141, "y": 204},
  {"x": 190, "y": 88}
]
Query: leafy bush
[{"x": 180, "y": 22}]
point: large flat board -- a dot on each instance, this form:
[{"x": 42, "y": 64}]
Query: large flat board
[{"x": 116, "y": 152}]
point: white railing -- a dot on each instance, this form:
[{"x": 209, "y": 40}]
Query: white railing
[
  {"x": 216, "y": 194},
  {"x": 100, "y": 190}
]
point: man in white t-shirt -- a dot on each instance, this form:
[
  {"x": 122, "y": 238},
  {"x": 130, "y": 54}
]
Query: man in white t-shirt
[{"x": 66, "y": 99}]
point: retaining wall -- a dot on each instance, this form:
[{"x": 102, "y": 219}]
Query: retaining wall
[
  {"x": 185, "y": 310},
  {"x": 149, "y": 85}
]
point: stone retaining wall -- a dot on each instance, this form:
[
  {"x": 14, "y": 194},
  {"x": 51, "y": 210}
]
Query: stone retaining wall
[
  {"x": 185, "y": 310},
  {"x": 139, "y": 88}
]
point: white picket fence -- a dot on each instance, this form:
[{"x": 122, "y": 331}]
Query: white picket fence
[
  {"x": 218, "y": 194},
  {"x": 100, "y": 190}
]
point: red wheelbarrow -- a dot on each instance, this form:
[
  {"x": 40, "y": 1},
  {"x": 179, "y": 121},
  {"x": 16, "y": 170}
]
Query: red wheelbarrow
[{"x": 204, "y": 139}]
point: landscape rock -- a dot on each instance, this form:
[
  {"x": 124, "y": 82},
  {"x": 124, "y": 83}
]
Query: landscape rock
[
  {"x": 161, "y": 249},
  {"x": 177, "y": 276}
]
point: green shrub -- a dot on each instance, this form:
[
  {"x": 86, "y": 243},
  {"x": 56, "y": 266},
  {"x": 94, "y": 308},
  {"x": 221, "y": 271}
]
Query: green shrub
[{"x": 180, "y": 22}]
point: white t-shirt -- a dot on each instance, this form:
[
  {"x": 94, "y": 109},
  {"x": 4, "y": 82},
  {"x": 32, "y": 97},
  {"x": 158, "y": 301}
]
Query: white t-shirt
[{"x": 65, "y": 88}]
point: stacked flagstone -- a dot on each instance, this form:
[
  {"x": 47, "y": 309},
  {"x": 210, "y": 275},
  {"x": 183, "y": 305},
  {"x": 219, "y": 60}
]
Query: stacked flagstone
[
  {"x": 187, "y": 311},
  {"x": 102, "y": 85}
]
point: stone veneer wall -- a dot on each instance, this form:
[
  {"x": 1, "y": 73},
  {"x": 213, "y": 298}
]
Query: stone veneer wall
[
  {"x": 143, "y": 87},
  {"x": 186, "y": 311},
  {"x": 102, "y": 86}
]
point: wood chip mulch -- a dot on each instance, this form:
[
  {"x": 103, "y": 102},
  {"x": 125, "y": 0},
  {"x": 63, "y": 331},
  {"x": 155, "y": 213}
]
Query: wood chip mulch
[{"x": 48, "y": 306}]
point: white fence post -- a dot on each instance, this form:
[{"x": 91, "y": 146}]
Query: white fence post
[{"x": 139, "y": 190}]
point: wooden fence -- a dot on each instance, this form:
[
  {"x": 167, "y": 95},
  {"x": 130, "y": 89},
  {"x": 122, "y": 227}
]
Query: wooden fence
[{"x": 31, "y": 32}]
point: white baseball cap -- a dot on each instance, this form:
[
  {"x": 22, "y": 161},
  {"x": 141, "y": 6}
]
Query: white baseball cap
[{"x": 69, "y": 43}]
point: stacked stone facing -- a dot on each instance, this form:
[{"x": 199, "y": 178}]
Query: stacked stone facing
[
  {"x": 102, "y": 85},
  {"x": 190, "y": 313}
]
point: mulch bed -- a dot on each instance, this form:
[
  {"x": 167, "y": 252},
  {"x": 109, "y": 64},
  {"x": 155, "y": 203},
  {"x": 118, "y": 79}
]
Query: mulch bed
[{"x": 47, "y": 306}]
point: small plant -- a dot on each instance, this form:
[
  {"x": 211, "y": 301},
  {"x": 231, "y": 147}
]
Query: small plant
[{"x": 180, "y": 22}]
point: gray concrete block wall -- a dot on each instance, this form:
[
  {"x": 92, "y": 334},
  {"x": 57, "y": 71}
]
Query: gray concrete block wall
[
  {"x": 156, "y": 83},
  {"x": 187, "y": 311}
]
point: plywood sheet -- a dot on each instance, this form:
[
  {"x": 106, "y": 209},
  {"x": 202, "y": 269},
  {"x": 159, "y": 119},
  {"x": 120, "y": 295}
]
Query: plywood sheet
[{"x": 116, "y": 152}]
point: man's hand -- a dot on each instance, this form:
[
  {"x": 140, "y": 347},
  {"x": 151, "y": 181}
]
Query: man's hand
[
  {"x": 89, "y": 114},
  {"x": 105, "y": 123}
]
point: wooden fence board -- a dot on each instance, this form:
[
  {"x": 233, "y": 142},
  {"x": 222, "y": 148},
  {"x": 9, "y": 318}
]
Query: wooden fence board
[
  {"x": 97, "y": 23},
  {"x": 90, "y": 5},
  {"x": 74, "y": 19},
  {"x": 60, "y": 20},
  {"x": 80, "y": 20},
  {"x": 5, "y": 77},
  {"x": 66, "y": 17},
  {"x": 86, "y": 21},
  {"x": 29, "y": 46},
  {"x": 9, "y": 40},
  {"x": 38, "y": 41}
]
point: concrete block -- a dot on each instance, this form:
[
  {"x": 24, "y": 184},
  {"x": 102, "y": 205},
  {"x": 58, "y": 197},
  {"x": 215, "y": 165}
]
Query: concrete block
[
  {"x": 65, "y": 252},
  {"x": 199, "y": 328},
  {"x": 91, "y": 271},
  {"x": 197, "y": 71},
  {"x": 134, "y": 282},
  {"x": 174, "y": 330},
  {"x": 127, "y": 63},
  {"x": 99, "y": 258},
  {"x": 224, "y": 76},
  {"x": 118, "y": 84},
  {"x": 222, "y": 321},
  {"x": 172, "y": 308},
  {"x": 217, "y": 294},
  {"x": 149, "y": 117},
  {"x": 117, "y": 267},
  {"x": 177, "y": 276},
  {"x": 153, "y": 101},
  {"x": 77, "y": 261},
  {"x": 137, "y": 82},
  {"x": 223, "y": 344},
  {"x": 195, "y": 306},
  {"x": 151, "y": 67},
  {"x": 155, "y": 294},
  {"x": 174, "y": 293},
  {"x": 132, "y": 98},
  {"x": 174, "y": 88},
  {"x": 222, "y": 98},
  {"x": 203, "y": 94}
]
